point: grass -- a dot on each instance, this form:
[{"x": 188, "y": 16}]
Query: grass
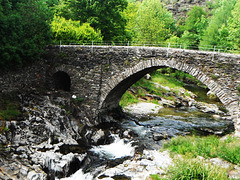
[
  {"x": 208, "y": 147},
  {"x": 189, "y": 166},
  {"x": 9, "y": 114},
  {"x": 127, "y": 99},
  {"x": 193, "y": 169},
  {"x": 166, "y": 80}
]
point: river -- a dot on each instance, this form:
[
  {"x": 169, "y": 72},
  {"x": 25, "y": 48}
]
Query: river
[{"x": 134, "y": 150}]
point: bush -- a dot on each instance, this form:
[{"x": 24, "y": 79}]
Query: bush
[{"x": 72, "y": 31}]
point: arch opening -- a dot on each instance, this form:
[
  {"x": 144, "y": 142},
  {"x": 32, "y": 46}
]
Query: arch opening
[
  {"x": 114, "y": 96},
  {"x": 62, "y": 81}
]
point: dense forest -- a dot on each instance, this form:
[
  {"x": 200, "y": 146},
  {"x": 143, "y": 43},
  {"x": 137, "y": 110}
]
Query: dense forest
[{"x": 27, "y": 26}]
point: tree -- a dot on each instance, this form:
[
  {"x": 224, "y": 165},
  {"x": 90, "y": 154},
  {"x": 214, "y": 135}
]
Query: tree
[
  {"x": 103, "y": 15},
  {"x": 24, "y": 31},
  {"x": 195, "y": 20},
  {"x": 130, "y": 13},
  {"x": 154, "y": 23},
  {"x": 71, "y": 31},
  {"x": 220, "y": 17},
  {"x": 62, "y": 9},
  {"x": 234, "y": 27},
  {"x": 194, "y": 27}
]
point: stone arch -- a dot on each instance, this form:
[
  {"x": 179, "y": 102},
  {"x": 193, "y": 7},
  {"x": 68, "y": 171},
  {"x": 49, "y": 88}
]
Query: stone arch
[
  {"x": 62, "y": 81},
  {"x": 113, "y": 90}
]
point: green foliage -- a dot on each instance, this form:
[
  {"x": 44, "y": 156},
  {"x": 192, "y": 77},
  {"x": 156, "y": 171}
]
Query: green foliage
[
  {"x": 238, "y": 88},
  {"x": 130, "y": 14},
  {"x": 169, "y": 81},
  {"x": 194, "y": 26},
  {"x": 234, "y": 27},
  {"x": 127, "y": 99},
  {"x": 219, "y": 18},
  {"x": 9, "y": 114},
  {"x": 72, "y": 31},
  {"x": 154, "y": 23},
  {"x": 194, "y": 18},
  {"x": 188, "y": 169},
  {"x": 208, "y": 147},
  {"x": 174, "y": 40},
  {"x": 62, "y": 9},
  {"x": 24, "y": 31},
  {"x": 105, "y": 16}
]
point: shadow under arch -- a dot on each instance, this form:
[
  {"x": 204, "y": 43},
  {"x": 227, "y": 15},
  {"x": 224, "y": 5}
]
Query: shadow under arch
[{"x": 62, "y": 81}]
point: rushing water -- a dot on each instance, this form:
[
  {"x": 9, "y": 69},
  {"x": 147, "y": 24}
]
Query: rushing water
[{"x": 147, "y": 133}]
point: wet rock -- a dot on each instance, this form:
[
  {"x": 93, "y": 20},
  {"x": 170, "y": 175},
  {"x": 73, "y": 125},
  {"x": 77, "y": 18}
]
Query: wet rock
[
  {"x": 97, "y": 137},
  {"x": 33, "y": 175},
  {"x": 208, "y": 108},
  {"x": 149, "y": 162},
  {"x": 158, "y": 136},
  {"x": 153, "y": 96}
]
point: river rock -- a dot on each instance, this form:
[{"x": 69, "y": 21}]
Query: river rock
[
  {"x": 212, "y": 95},
  {"x": 208, "y": 108},
  {"x": 159, "y": 136},
  {"x": 36, "y": 140},
  {"x": 148, "y": 77},
  {"x": 142, "y": 108},
  {"x": 150, "y": 162}
]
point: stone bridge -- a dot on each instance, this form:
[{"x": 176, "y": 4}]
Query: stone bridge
[{"x": 99, "y": 75}]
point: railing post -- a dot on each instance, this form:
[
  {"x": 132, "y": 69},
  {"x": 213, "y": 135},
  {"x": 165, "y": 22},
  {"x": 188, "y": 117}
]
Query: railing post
[
  {"x": 60, "y": 47},
  {"x": 213, "y": 52},
  {"x": 168, "y": 48},
  {"x": 92, "y": 48}
]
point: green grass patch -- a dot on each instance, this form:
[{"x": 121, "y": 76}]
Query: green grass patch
[
  {"x": 180, "y": 76},
  {"x": 165, "y": 80},
  {"x": 189, "y": 169},
  {"x": 208, "y": 147},
  {"x": 127, "y": 99},
  {"x": 9, "y": 114}
]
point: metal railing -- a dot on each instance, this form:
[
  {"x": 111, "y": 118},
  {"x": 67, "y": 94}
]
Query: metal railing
[{"x": 217, "y": 49}]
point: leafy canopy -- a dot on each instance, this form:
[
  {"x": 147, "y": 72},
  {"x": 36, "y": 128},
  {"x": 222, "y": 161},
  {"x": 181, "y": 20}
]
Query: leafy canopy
[
  {"x": 219, "y": 19},
  {"x": 103, "y": 15},
  {"x": 154, "y": 23},
  {"x": 71, "y": 31},
  {"x": 24, "y": 31},
  {"x": 234, "y": 27}
]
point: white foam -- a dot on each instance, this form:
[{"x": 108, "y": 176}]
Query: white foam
[
  {"x": 115, "y": 150},
  {"x": 79, "y": 175}
]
